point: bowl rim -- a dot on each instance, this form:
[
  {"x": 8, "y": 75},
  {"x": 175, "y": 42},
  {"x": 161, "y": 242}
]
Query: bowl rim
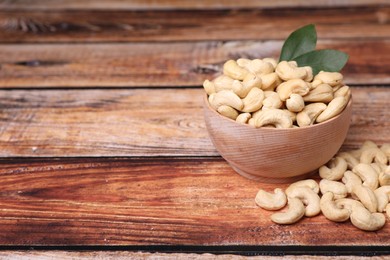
[{"x": 206, "y": 102}]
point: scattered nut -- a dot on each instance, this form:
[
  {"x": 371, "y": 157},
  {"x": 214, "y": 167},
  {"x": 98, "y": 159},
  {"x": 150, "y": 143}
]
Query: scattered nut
[
  {"x": 365, "y": 220},
  {"x": 271, "y": 201},
  {"x": 296, "y": 210},
  {"x": 330, "y": 209}
]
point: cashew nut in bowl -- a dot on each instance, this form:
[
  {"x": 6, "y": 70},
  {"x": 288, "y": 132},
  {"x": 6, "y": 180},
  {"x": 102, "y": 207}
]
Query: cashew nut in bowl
[
  {"x": 295, "y": 103},
  {"x": 334, "y": 108},
  {"x": 310, "y": 113},
  {"x": 253, "y": 101},
  {"x": 270, "y": 81},
  {"x": 272, "y": 61},
  {"x": 271, "y": 201},
  {"x": 234, "y": 71},
  {"x": 259, "y": 67},
  {"x": 383, "y": 196},
  {"x": 384, "y": 177},
  {"x": 209, "y": 87},
  {"x": 322, "y": 93},
  {"x": 225, "y": 97},
  {"x": 243, "y": 88},
  {"x": 243, "y": 118},
  {"x": 309, "y": 183},
  {"x": 365, "y": 220},
  {"x": 292, "y": 86},
  {"x": 331, "y": 78},
  {"x": 274, "y": 117},
  {"x": 287, "y": 70},
  {"x": 344, "y": 91},
  {"x": 334, "y": 170},
  {"x": 308, "y": 197},
  {"x": 366, "y": 197},
  {"x": 222, "y": 82},
  {"x": 350, "y": 180},
  {"x": 330, "y": 209},
  {"x": 295, "y": 211},
  {"x": 367, "y": 174},
  {"x": 338, "y": 189},
  {"x": 228, "y": 111},
  {"x": 272, "y": 100}
]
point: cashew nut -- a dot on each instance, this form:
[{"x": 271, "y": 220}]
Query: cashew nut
[
  {"x": 271, "y": 201},
  {"x": 350, "y": 180},
  {"x": 243, "y": 118},
  {"x": 243, "y": 88},
  {"x": 367, "y": 144},
  {"x": 309, "y": 183},
  {"x": 334, "y": 108},
  {"x": 367, "y": 174},
  {"x": 322, "y": 93},
  {"x": 259, "y": 67},
  {"x": 292, "y": 115},
  {"x": 287, "y": 70},
  {"x": 295, "y": 103},
  {"x": 296, "y": 210},
  {"x": 349, "y": 158},
  {"x": 222, "y": 82},
  {"x": 272, "y": 100},
  {"x": 383, "y": 197},
  {"x": 338, "y": 189},
  {"x": 334, "y": 170},
  {"x": 292, "y": 86},
  {"x": 253, "y": 101},
  {"x": 344, "y": 91},
  {"x": 370, "y": 154},
  {"x": 384, "y": 177},
  {"x": 243, "y": 62},
  {"x": 308, "y": 197},
  {"x": 331, "y": 78},
  {"x": 272, "y": 117},
  {"x": 365, "y": 220},
  {"x": 209, "y": 87},
  {"x": 225, "y": 97},
  {"x": 234, "y": 71},
  {"x": 347, "y": 203},
  {"x": 366, "y": 197},
  {"x": 330, "y": 209},
  {"x": 310, "y": 113},
  {"x": 270, "y": 81},
  {"x": 386, "y": 149},
  {"x": 228, "y": 111},
  {"x": 272, "y": 61}
]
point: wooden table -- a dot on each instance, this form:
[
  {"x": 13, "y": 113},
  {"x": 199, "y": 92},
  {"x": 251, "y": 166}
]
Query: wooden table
[{"x": 102, "y": 140}]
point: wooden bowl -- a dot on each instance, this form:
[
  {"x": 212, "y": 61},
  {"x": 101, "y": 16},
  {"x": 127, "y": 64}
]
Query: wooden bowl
[{"x": 276, "y": 155}]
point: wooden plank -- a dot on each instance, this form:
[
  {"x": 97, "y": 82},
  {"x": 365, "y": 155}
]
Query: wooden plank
[
  {"x": 139, "y": 122},
  {"x": 120, "y": 26},
  {"x": 175, "y": 4},
  {"x": 150, "y": 202},
  {"x": 124, "y": 255},
  {"x": 159, "y": 64}
]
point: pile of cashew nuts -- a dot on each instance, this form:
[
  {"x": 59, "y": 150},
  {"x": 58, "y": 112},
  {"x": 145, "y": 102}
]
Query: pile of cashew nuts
[
  {"x": 264, "y": 93},
  {"x": 355, "y": 186}
]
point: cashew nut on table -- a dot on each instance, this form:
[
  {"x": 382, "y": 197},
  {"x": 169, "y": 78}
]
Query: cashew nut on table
[
  {"x": 248, "y": 87},
  {"x": 349, "y": 189}
]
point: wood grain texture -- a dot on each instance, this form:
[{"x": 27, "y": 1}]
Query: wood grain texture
[
  {"x": 150, "y": 202},
  {"x": 159, "y": 64},
  {"x": 139, "y": 122},
  {"x": 175, "y": 4},
  {"x": 123, "y": 255},
  {"x": 190, "y": 25}
]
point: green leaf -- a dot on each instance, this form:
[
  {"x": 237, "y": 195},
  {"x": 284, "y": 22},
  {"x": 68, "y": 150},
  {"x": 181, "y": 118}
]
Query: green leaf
[
  {"x": 326, "y": 60},
  {"x": 299, "y": 42}
]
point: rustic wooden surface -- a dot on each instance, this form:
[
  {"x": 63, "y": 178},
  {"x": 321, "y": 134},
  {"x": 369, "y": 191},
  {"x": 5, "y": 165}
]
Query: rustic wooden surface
[{"x": 102, "y": 137}]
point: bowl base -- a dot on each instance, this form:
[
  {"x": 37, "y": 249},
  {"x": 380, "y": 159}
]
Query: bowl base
[{"x": 273, "y": 180}]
